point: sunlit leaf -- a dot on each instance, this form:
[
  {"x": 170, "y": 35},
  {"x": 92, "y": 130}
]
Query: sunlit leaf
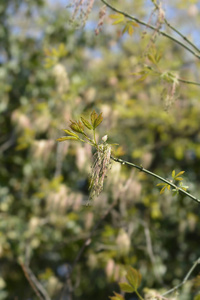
[
  {"x": 163, "y": 189},
  {"x": 70, "y": 132},
  {"x": 118, "y": 18},
  {"x": 173, "y": 173},
  {"x": 64, "y": 138},
  {"x": 93, "y": 117},
  {"x": 86, "y": 123},
  {"x": 125, "y": 29},
  {"x": 77, "y": 126},
  {"x": 98, "y": 120},
  {"x": 180, "y": 173},
  {"x": 178, "y": 178},
  {"x": 134, "y": 278},
  {"x": 130, "y": 30},
  {"x": 125, "y": 287}
]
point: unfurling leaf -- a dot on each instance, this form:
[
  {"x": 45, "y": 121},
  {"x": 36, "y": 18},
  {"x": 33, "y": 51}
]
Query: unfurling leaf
[
  {"x": 134, "y": 278},
  {"x": 86, "y": 123},
  {"x": 64, "y": 138},
  {"x": 77, "y": 126},
  {"x": 125, "y": 287}
]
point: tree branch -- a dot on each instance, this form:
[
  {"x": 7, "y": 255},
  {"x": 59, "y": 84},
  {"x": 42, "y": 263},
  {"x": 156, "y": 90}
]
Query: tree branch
[
  {"x": 185, "y": 279},
  {"x": 151, "y": 27},
  {"x": 178, "y": 32},
  {"x": 123, "y": 162},
  {"x": 34, "y": 283}
]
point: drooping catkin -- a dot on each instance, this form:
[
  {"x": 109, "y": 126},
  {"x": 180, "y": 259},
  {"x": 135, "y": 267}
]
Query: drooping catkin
[{"x": 99, "y": 169}]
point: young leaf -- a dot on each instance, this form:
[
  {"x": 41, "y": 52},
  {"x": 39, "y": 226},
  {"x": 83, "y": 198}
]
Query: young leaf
[
  {"x": 77, "y": 126},
  {"x": 70, "y": 132},
  {"x": 125, "y": 29},
  {"x": 64, "y": 138},
  {"x": 180, "y": 173},
  {"x": 178, "y": 178},
  {"x": 93, "y": 118},
  {"x": 125, "y": 287},
  {"x": 117, "y": 297},
  {"x": 86, "y": 123},
  {"x": 173, "y": 173},
  {"x": 118, "y": 18},
  {"x": 98, "y": 120},
  {"x": 134, "y": 278},
  {"x": 163, "y": 189},
  {"x": 160, "y": 184},
  {"x": 130, "y": 30}
]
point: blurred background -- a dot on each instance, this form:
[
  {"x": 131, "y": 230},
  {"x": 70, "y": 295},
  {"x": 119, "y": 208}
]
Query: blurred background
[{"x": 53, "y": 69}]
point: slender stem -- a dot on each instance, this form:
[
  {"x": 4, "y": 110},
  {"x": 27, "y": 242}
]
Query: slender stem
[
  {"x": 185, "y": 279},
  {"x": 139, "y": 296},
  {"x": 151, "y": 27},
  {"x": 179, "y": 79},
  {"x": 188, "y": 81},
  {"x": 94, "y": 137},
  {"x": 178, "y": 32},
  {"x": 123, "y": 162}
]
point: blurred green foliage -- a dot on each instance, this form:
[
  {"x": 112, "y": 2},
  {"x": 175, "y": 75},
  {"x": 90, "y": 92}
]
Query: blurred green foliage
[{"x": 51, "y": 73}]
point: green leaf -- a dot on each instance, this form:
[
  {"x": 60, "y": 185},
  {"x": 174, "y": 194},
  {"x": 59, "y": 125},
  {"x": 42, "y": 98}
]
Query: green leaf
[
  {"x": 118, "y": 18},
  {"x": 70, "y": 132},
  {"x": 125, "y": 29},
  {"x": 93, "y": 117},
  {"x": 173, "y": 173},
  {"x": 180, "y": 173},
  {"x": 117, "y": 297},
  {"x": 64, "y": 138},
  {"x": 125, "y": 287},
  {"x": 178, "y": 178},
  {"x": 86, "y": 123},
  {"x": 160, "y": 184},
  {"x": 133, "y": 23},
  {"x": 130, "y": 30},
  {"x": 134, "y": 278},
  {"x": 163, "y": 189},
  {"x": 168, "y": 187},
  {"x": 77, "y": 126},
  {"x": 98, "y": 120}
]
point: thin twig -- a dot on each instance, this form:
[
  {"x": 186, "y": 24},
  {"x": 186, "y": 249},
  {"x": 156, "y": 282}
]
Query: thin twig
[
  {"x": 151, "y": 27},
  {"x": 34, "y": 283},
  {"x": 185, "y": 279},
  {"x": 123, "y": 162},
  {"x": 179, "y": 79},
  {"x": 87, "y": 243},
  {"x": 178, "y": 32}
]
